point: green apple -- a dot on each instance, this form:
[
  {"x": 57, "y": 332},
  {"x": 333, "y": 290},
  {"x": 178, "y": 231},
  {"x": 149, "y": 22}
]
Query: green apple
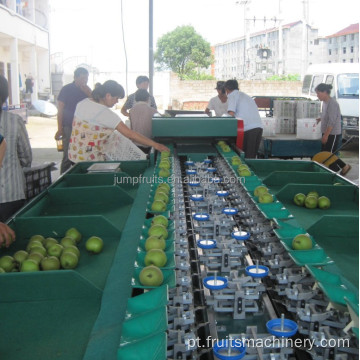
[
  {"x": 226, "y": 149},
  {"x": 74, "y": 234},
  {"x": 72, "y": 249},
  {"x": 67, "y": 241},
  {"x": 164, "y": 187},
  {"x": 38, "y": 249},
  {"x": 158, "y": 206},
  {"x": 49, "y": 242},
  {"x": 36, "y": 257},
  {"x": 160, "y": 219},
  {"x": 221, "y": 142},
  {"x": 302, "y": 242},
  {"x": 156, "y": 257},
  {"x": 39, "y": 238},
  {"x": 236, "y": 161},
  {"x": 158, "y": 230},
  {"x": 7, "y": 263},
  {"x": 2, "y": 270},
  {"x": 29, "y": 265},
  {"x": 324, "y": 202},
  {"x": 311, "y": 202},
  {"x": 151, "y": 276},
  {"x": 313, "y": 193},
  {"x": 94, "y": 244},
  {"x": 245, "y": 172},
  {"x": 165, "y": 154},
  {"x": 32, "y": 244},
  {"x": 55, "y": 250},
  {"x": 299, "y": 199},
  {"x": 154, "y": 242},
  {"x": 159, "y": 195},
  {"x": 68, "y": 261},
  {"x": 20, "y": 256},
  {"x": 164, "y": 164},
  {"x": 259, "y": 190},
  {"x": 164, "y": 173},
  {"x": 266, "y": 198},
  {"x": 243, "y": 167},
  {"x": 50, "y": 263}
]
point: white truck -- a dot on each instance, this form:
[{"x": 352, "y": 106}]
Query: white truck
[{"x": 344, "y": 77}]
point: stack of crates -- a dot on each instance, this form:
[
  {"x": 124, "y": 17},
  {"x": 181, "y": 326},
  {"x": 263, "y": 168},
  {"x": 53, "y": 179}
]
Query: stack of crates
[
  {"x": 269, "y": 126},
  {"x": 308, "y": 129},
  {"x": 285, "y": 115},
  {"x": 308, "y": 109}
]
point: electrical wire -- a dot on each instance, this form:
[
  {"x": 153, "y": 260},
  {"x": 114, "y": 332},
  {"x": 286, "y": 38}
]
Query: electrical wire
[{"x": 124, "y": 44}]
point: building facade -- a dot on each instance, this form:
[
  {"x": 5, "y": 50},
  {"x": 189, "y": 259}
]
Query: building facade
[
  {"x": 24, "y": 48},
  {"x": 300, "y": 47}
]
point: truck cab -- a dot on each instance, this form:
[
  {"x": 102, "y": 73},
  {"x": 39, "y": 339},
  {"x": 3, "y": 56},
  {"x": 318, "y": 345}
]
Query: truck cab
[{"x": 344, "y": 77}]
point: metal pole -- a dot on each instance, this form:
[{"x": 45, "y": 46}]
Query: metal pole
[{"x": 151, "y": 48}]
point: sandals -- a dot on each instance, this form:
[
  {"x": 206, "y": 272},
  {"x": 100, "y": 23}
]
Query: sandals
[{"x": 345, "y": 169}]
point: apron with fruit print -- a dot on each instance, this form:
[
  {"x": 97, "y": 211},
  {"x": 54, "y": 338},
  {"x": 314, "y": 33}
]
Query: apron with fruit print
[{"x": 87, "y": 141}]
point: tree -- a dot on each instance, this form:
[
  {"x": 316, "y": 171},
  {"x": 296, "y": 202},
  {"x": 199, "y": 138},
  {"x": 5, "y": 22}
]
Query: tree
[{"x": 183, "y": 51}]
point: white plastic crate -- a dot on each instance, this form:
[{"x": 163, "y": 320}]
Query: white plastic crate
[
  {"x": 269, "y": 126},
  {"x": 308, "y": 109},
  {"x": 308, "y": 129},
  {"x": 285, "y": 109},
  {"x": 285, "y": 125}
]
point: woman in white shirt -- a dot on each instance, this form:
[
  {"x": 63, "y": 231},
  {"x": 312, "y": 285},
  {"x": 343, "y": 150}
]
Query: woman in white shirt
[{"x": 94, "y": 122}]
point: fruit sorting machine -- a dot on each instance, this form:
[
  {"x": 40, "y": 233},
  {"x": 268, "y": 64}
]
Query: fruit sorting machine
[{"x": 232, "y": 287}]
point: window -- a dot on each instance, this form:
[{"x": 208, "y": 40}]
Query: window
[
  {"x": 316, "y": 42},
  {"x": 329, "y": 79},
  {"x": 316, "y": 81},
  {"x": 329, "y": 51},
  {"x": 352, "y": 37},
  {"x": 351, "y": 49},
  {"x": 330, "y": 41},
  {"x": 344, "y": 50},
  {"x": 336, "y": 51},
  {"x": 344, "y": 38},
  {"x": 344, "y": 60},
  {"x": 351, "y": 60}
]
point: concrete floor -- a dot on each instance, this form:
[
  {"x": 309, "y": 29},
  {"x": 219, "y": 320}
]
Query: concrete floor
[{"x": 41, "y": 131}]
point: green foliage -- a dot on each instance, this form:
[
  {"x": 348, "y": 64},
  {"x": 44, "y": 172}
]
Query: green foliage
[
  {"x": 183, "y": 51},
  {"x": 195, "y": 75},
  {"x": 289, "y": 77}
]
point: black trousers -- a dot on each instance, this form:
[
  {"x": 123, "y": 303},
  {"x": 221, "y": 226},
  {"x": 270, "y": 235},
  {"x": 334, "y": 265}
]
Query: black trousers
[
  {"x": 252, "y": 139},
  {"x": 332, "y": 145},
  {"x": 10, "y": 208}
]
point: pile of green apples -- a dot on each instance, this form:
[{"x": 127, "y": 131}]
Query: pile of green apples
[
  {"x": 164, "y": 164},
  {"x": 243, "y": 170},
  {"x": 50, "y": 254},
  {"x": 224, "y": 146},
  {"x": 312, "y": 200},
  {"x": 262, "y": 192},
  {"x": 161, "y": 198},
  {"x": 155, "y": 257}
]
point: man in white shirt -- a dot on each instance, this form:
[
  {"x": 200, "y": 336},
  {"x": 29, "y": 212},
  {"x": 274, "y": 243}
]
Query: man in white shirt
[
  {"x": 218, "y": 103},
  {"x": 242, "y": 106}
]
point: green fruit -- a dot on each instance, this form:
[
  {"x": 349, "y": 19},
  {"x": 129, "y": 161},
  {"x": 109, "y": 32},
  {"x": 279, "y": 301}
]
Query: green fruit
[
  {"x": 299, "y": 199},
  {"x": 313, "y": 193},
  {"x": 165, "y": 154},
  {"x": 154, "y": 242},
  {"x": 94, "y": 244},
  {"x": 36, "y": 257},
  {"x": 266, "y": 198},
  {"x": 29, "y": 265},
  {"x": 236, "y": 161},
  {"x": 226, "y": 149},
  {"x": 33, "y": 244},
  {"x": 156, "y": 257},
  {"x": 302, "y": 242},
  {"x": 68, "y": 260},
  {"x": 161, "y": 196},
  {"x": 49, "y": 242},
  {"x": 20, "y": 256},
  {"x": 245, "y": 173},
  {"x": 7, "y": 263},
  {"x": 164, "y": 185},
  {"x": 50, "y": 263},
  {"x": 55, "y": 250},
  {"x": 2, "y": 270},
  {"x": 323, "y": 202},
  {"x": 164, "y": 164},
  {"x": 164, "y": 173},
  {"x": 67, "y": 241},
  {"x": 259, "y": 190},
  {"x": 38, "y": 249},
  {"x": 158, "y": 206},
  {"x": 158, "y": 230},
  {"x": 243, "y": 167},
  {"x": 39, "y": 238},
  {"x": 74, "y": 234},
  {"x": 151, "y": 276},
  {"x": 311, "y": 202},
  {"x": 72, "y": 249},
  {"x": 161, "y": 220}
]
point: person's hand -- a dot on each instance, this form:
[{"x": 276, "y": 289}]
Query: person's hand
[
  {"x": 7, "y": 235},
  {"x": 324, "y": 139},
  {"x": 161, "y": 147},
  {"x": 58, "y": 135}
]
